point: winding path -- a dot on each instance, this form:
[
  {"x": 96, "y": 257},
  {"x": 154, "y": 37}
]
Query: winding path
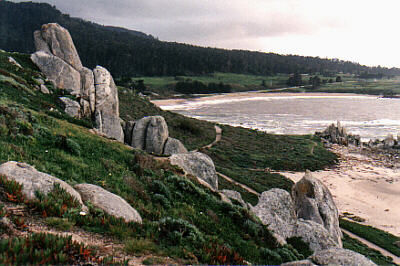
[{"x": 218, "y": 137}]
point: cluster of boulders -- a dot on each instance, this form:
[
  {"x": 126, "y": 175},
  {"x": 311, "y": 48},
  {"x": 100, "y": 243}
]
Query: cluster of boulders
[
  {"x": 95, "y": 91},
  {"x": 151, "y": 134},
  {"x": 33, "y": 180},
  {"x": 310, "y": 213},
  {"x": 337, "y": 134}
]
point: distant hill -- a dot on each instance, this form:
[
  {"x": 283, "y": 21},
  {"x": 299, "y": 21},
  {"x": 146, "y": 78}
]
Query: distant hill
[{"x": 131, "y": 53}]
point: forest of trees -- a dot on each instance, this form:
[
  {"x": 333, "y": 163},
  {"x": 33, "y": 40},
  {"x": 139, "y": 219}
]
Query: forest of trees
[{"x": 129, "y": 53}]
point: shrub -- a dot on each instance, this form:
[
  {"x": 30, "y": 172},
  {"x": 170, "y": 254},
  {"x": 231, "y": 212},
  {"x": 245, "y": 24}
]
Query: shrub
[
  {"x": 12, "y": 190},
  {"x": 270, "y": 256},
  {"x": 177, "y": 231},
  {"x": 221, "y": 254},
  {"x": 301, "y": 246},
  {"x": 42, "y": 249},
  {"x": 160, "y": 188},
  {"x": 138, "y": 246},
  {"x": 62, "y": 224},
  {"x": 56, "y": 203}
]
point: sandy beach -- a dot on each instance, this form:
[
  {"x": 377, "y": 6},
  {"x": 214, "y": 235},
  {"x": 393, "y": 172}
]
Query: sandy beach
[
  {"x": 245, "y": 95},
  {"x": 363, "y": 187}
]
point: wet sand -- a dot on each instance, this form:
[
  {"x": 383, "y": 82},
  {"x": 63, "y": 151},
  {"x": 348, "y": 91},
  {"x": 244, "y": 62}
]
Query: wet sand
[{"x": 363, "y": 187}]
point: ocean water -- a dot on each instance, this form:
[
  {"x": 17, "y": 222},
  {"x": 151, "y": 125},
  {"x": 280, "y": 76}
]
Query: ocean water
[{"x": 368, "y": 116}]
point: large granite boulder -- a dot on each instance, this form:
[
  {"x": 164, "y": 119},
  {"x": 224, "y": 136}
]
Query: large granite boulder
[
  {"x": 275, "y": 209},
  {"x": 174, "y": 146},
  {"x": 157, "y": 135},
  {"x": 314, "y": 234},
  {"x": 313, "y": 201},
  {"x": 107, "y": 105},
  {"x": 33, "y": 180},
  {"x": 108, "y": 202},
  {"x": 340, "y": 256},
  {"x": 197, "y": 164},
  {"x": 63, "y": 75},
  {"x": 71, "y": 107},
  {"x": 56, "y": 40}
]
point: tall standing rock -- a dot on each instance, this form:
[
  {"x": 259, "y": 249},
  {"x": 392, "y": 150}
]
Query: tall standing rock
[
  {"x": 157, "y": 135},
  {"x": 107, "y": 105},
  {"x": 96, "y": 92},
  {"x": 54, "y": 39},
  {"x": 313, "y": 201}
]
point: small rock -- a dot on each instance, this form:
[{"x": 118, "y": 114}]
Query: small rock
[
  {"x": 174, "y": 146},
  {"x": 44, "y": 89},
  {"x": 197, "y": 164},
  {"x": 14, "y": 62},
  {"x": 157, "y": 135},
  {"x": 299, "y": 263},
  {"x": 234, "y": 195},
  {"x": 71, "y": 107}
]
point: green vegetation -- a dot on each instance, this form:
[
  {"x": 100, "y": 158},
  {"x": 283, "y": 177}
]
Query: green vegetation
[
  {"x": 374, "y": 255},
  {"x": 128, "y": 53},
  {"x": 378, "y": 237},
  {"x": 387, "y": 87},
  {"x": 181, "y": 219},
  {"x": 248, "y": 155},
  {"x": 42, "y": 249}
]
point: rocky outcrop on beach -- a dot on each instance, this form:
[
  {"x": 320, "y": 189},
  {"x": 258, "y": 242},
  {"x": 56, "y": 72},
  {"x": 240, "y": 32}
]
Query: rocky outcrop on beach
[
  {"x": 337, "y": 134},
  {"x": 110, "y": 203},
  {"x": 309, "y": 213},
  {"x": 95, "y": 91}
]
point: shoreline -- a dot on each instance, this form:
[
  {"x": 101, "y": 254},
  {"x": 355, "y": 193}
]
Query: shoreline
[
  {"x": 362, "y": 187},
  {"x": 251, "y": 94}
]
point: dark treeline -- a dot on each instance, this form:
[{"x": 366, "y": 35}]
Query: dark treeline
[
  {"x": 192, "y": 87},
  {"x": 132, "y": 53}
]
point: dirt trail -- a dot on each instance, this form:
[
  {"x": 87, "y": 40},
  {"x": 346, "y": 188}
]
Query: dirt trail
[{"x": 218, "y": 136}]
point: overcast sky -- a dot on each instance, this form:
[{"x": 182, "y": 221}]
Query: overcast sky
[{"x": 364, "y": 31}]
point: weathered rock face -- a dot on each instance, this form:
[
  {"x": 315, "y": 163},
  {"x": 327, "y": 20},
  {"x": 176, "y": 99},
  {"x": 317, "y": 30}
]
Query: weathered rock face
[
  {"x": 314, "y": 234},
  {"x": 173, "y": 146},
  {"x": 54, "y": 39},
  {"x": 96, "y": 92},
  {"x": 151, "y": 134},
  {"x": 33, "y": 180},
  {"x": 107, "y": 105},
  {"x": 197, "y": 164},
  {"x": 139, "y": 132},
  {"x": 108, "y": 202},
  {"x": 71, "y": 107},
  {"x": 314, "y": 202},
  {"x": 157, "y": 135},
  {"x": 275, "y": 209},
  {"x": 234, "y": 195},
  {"x": 88, "y": 89},
  {"x": 340, "y": 256},
  {"x": 59, "y": 72}
]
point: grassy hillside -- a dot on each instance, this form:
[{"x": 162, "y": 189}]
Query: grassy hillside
[{"x": 181, "y": 219}]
